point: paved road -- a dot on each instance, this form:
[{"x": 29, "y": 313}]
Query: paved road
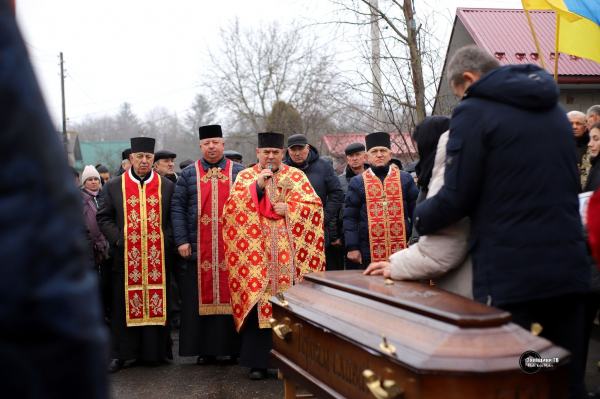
[{"x": 184, "y": 379}]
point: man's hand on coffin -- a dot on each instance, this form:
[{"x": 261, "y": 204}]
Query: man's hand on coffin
[
  {"x": 280, "y": 208},
  {"x": 264, "y": 175},
  {"x": 355, "y": 257},
  {"x": 185, "y": 250},
  {"x": 379, "y": 268}
]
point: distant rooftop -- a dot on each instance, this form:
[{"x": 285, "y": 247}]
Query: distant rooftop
[
  {"x": 107, "y": 153},
  {"x": 506, "y": 35}
]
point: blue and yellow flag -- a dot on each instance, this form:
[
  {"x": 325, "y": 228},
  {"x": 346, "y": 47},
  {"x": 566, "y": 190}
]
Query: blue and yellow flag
[{"x": 579, "y": 25}]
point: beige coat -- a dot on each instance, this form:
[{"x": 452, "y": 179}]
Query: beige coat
[{"x": 442, "y": 256}]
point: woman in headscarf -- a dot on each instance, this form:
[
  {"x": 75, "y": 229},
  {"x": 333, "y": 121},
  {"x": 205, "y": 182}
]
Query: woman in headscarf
[{"x": 442, "y": 256}]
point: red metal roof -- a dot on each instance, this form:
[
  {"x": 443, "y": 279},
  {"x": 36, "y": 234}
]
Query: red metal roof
[
  {"x": 337, "y": 143},
  {"x": 507, "y": 36}
]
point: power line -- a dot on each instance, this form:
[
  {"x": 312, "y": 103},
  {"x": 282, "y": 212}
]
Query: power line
[{"x": 41, "y": 51}]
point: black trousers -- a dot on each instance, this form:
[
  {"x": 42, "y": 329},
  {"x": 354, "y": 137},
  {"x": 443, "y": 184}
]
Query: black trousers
[
  {"x": 106, "y": 276},
  {"x": 256, "y": 344},
  {"x": 334, "y": 258},
  {"x": 562, "y": 319}
]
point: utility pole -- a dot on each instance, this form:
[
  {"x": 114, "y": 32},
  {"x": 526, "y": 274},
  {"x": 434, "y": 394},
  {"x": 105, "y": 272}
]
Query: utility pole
[
  {"x": 375, "y": 59},
  {"x": 64, "y": 112}
]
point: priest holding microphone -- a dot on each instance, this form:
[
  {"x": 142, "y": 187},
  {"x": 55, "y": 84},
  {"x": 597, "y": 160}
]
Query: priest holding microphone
[{"x": 274, "y": 235}]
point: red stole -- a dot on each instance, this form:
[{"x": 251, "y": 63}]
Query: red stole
[
  {"x": 213, "y": 287},
  {"x": 385, "y": 212},
  {"x": 145, "y": 285}
]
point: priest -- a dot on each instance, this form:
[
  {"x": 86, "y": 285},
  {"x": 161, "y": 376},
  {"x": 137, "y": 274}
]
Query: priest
[
  {"x": 378, "y": 208},
  {"x": 135, "y": 218},
  {"x": 274, "y": 235},
  {"x": 207, "y": 329}
]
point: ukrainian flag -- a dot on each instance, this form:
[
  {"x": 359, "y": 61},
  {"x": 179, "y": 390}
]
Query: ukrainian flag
[{"x": 578, "y": 25}]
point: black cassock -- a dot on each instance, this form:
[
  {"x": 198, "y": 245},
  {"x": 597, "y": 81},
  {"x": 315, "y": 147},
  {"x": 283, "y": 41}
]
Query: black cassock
[
  {"x": 147, "y": 343},
  {"x": 210, "y": 335}
]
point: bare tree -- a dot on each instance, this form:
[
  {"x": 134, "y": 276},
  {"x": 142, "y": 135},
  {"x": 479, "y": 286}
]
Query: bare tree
[
  {"x": 254, "y": 68},
  {"x": 411, "y": 56}
]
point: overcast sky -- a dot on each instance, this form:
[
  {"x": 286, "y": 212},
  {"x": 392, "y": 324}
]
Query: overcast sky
[{"x": 149, "y": 52}]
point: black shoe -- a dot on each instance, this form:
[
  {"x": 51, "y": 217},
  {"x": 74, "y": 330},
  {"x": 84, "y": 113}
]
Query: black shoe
[
  {"x": 151, "y": 363},
  {"x": 204, "y": 360},
  {"x": 595, "y": 393},
  {"x": 257, "y": 374},
  {"x": 115, "y": 365}
]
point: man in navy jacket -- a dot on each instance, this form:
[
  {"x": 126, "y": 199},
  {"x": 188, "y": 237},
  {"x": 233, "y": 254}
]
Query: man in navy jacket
[
  {"x": 511, "y": 168},
  {"x": 356, "y": 219}
]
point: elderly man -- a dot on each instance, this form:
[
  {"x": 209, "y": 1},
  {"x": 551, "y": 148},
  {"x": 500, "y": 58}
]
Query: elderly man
[
  {"x": 355, "y": 157},
  {"x": 164, "y": 164},
  {"x": 379, "y": 206},
  {"x": 207, "y": 329},
  {"x": 135, "y": 217},
  {"x": 322, "y": 177},
  {"x": 273, "y": 222},
  {"x": 580, "y": 131},
  {"x": 526, "y": 241}
]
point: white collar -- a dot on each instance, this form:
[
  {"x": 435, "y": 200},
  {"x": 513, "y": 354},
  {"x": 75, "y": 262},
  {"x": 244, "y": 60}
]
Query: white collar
[
  {"x": 373, "y": 173},
  {"x": 136, "y": 180}
]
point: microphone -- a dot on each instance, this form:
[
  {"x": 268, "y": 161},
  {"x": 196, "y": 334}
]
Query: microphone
[{"x": 270, "y": 166}]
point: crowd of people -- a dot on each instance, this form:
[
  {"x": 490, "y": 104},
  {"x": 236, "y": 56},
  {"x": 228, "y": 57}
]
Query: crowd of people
[
  {"x": 205, "y": 249},
  {"x": 494, "y": 215}
]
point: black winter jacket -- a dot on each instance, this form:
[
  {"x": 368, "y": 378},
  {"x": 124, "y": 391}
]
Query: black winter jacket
[
  {"x": 356, "y": 229},
  {"x": 184, "y": 204},
  {"x": 511, "y": 167},
  {"x": 53, "y": 342},
  {"x": 322, "y": 177}
]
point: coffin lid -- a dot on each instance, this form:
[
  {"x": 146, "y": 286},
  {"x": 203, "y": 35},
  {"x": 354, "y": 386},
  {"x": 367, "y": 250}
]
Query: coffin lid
[{"x": 415, "y": 297}]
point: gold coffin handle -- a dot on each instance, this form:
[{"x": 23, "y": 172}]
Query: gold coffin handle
[
  {"x": 282, "y": 330},
  {"x": 386, "y": 390}
]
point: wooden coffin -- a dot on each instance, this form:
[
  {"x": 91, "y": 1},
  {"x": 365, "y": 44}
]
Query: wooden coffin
[{"x": 327, "y": 336}]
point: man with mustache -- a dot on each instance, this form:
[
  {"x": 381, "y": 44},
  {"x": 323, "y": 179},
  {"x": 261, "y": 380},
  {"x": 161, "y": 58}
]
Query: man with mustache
[
  {"x": 135, "y": 218},
  {"x": 207, "y": 329}
]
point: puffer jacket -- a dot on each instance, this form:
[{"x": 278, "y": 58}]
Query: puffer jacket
[
  {"x": 526, "y": 241},
  {"x": 443, "y": 255},
  {"x": 184, "y": 204},
  {"x": 356, "y": 231},
  {"x": 322, "y": 177}
]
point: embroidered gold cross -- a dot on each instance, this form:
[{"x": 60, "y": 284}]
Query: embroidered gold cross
[
  {"x": 133, "y": 201},
  {"x": 152, "y": 200},
  {"x": 213, "y": 173},
  {"x": 285, "y": 185},
  {"x": 205, "y": 219}
]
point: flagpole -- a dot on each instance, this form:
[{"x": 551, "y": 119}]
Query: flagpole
[
  {"x": 556, "y": 54},
  {"x": 537, "y": 44}
]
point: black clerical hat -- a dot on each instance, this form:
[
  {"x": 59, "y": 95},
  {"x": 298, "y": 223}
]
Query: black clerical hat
[
  {"x": 142, "y": 144},
  {"x": 164, "y": 154},
  {"x": 125, "y": 154},
  {"x": 354, "y": 147},
  {"x": 379, "y": 139},
  {"x": 210, "y": 131},
  {"x": 271, "y": 140}
]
